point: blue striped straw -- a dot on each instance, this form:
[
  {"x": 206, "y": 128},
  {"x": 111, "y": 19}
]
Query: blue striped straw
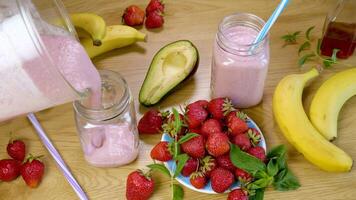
[{"x": 270, "y": 22}]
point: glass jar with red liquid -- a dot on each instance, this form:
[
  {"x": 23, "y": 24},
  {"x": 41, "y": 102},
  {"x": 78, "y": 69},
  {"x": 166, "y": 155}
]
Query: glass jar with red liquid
[{"x": 340, "y": 30}]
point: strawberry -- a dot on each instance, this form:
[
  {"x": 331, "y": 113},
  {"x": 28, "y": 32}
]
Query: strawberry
[
  {"x": 139, "y": 186},
  {"x": 217, "y": 144},
  {"x": 258, "y": 152},
  {"x": 225, "y": 162},
  {"x": 207, "y": 165},
  {"x": 151, "y": 122},
  {"x": 210, "y": 126},
  {"x": 154, "y": 20},
  {"x": 194, "y": 147},
  {"x": 16, "y": 149},
  {"x": 161, "y": 152},
  {"x": 242, "y": 175},
  {"x": 133, "y": 16},
  {"x": 220, "y": 107},
  {"x": 238, "y": 194},
  {"x": 32, "y": 171},
  {"x": 155, "y": 5},
  {"x": 199, "y": 103},
  {"x": 195, "y": 130},
  {"x": 169, "y": 126},
  {"x": 236, "y": 123},
  {"x": 190, "y": 166},
  {"x": 198, "y": 180},
  {"x": 254, "y": 136},
  {"x": 9, "y": 169},
  {"x": 242, "y": 141},
  {"x": 195, "y": 116},
  {"x": 221, "y": 179}
]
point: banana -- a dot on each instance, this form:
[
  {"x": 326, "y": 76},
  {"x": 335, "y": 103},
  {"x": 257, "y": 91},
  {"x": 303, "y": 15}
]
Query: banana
[
  {"x": 328, "y": 101},
  {"x": 91, "y": 23},
  {"x": 116, "y": 36},
  {"x": 298, "y": 130}
]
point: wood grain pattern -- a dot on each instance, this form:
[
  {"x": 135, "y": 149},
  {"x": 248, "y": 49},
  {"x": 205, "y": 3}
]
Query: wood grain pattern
[{"x": 197, "y": 21}]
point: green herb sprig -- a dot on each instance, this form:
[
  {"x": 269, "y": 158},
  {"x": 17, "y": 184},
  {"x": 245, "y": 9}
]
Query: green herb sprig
[
  {"x": 308, "y": 53},
  {"x": 275, "y": 173}
]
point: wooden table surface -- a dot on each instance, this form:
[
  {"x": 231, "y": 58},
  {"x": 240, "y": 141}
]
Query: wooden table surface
[{"x": 197, "y": 21}]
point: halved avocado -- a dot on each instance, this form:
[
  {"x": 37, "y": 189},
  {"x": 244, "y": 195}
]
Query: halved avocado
[{"x": 172, "y": 64}]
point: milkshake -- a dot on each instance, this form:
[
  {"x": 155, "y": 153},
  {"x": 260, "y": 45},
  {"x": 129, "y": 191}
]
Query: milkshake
[{"x": 239, "y": 67}]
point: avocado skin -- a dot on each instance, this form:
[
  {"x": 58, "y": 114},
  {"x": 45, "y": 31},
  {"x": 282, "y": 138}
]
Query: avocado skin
[{"x": 179, "y": 84}]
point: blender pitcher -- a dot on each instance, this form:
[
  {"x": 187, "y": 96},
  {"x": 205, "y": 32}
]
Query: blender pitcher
[{"x": 30, "y": 79}]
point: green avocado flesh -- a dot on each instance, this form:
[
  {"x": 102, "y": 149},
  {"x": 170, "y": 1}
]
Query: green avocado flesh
[{"x": 171, "y": 65}]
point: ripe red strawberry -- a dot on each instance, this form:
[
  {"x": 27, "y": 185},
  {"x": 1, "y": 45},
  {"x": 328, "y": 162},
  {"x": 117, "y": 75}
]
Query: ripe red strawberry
[
  {"x": 199, "y": 103},
  {"x": 190, "y": 166},
  {"x": 169, "y": 126},
  {"x": 133, "y": 16},
  {"x": 194, "y": 147},
  {"x": 161, "y": 152},
  {"x": 225, "y": 162},
  {"x": 238, "y": 194},
  {"x": 151, "y": 122},
  {"x": 258, "y": 152},
  {"x": 217, "y": 144},
  {"x": 242, "y": 141},
  {"x": 195, "y": 130},
  {"x": 221, "y": 179},
  {"x": 236, "y": 123},
  {"x": 198, "y": 180},
  {"x": 16, "y": 149},
  {"x": 242, "y": 175},
  {"x": 154, "y": 20},
  {"x": 210, "y": 126},
  {"x": 9, "y": 169},
  {"x": 195, "y": 116},
  {"x": 220, "y": 107},
  {"x": 254, "y": 136},
  {"x": 32, "y": 171},
  {"x": 207, "y": 165},
  {"x": 155, "y": 5},
  {"x": 139, "y": 186}
]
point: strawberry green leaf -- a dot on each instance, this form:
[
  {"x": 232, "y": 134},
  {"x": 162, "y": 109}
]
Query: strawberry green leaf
[
  {"x": 285, "y": 180},
  {"x": 318, "y": 46},
  {"x": 304, "y": 46},
  {"x": 305, "y": 58},
  {"x": 307, "y": 33},
  {"x": 187, "y": 137},
  {"x": 258, "y": 195},
  {"x": 327, "y": 62},
  {"x": 245, "y": 161},
  {"x": 178, "y": 192},
  {"x": 181, "y": 160},
  {"x": 161, "y": 168}
]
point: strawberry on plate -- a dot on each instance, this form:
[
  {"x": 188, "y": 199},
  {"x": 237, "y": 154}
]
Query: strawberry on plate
[
  {"x": 32, "y": 171},
  {"x": 236, "y": 123},
  {"x": 198, "y": 180},
  {"x": 242, "y": 175},
  {"x": 192, "y": 165},
  {"x": 220, "y": 107},
  {"x": 16, "y": 149},
  {"x": 217, "y": 144},
  {"x": 210, "y": 126},
  {"x": 195, "y": 116},
  {"x": 221, "y": 179},
  {"x": 238, "y": 194},
  {"x": 9, "y": 169},
  {"x": 225, "y": 162},
  {"x": 194, "y": 147},
  {"x": 258, "y": 152},
  {"x": 242, "y": 141},
  {"x": 139, "y": 186},
  {"x": 207, "y": 165},
  {"x": 161, "y": 152},
  {"x": 254, "y": 136}
]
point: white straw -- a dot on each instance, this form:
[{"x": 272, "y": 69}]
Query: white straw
[{"x": 57, "y": 157}]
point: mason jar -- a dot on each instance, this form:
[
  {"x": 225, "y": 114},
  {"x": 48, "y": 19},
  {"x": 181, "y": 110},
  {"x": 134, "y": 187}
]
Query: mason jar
[
  {"x": 239, "y": 66},
  {"x": 108, "y": 135}
]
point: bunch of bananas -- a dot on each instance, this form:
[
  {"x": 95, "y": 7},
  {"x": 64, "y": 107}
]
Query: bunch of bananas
[
  {"x": 311, "y": 138},
  {"x": 97, "y": 38}
]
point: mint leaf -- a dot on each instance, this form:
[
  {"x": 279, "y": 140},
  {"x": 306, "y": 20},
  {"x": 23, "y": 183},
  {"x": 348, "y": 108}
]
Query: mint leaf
[
  {"x": 277, "y": 151},
  {"x": 260, "y": 174},
  {"x": 272, "y": 167},
  {"x": 259, "y": 194},
  {"x": 181, "y": 159},
  {"x": 177, "y": 122},
  {"x": 178, "y": 192},
  {"x": 245, "y": 161},
  {"x": 260, "y": 183},
  {"x": 285, "y": 181},
  {"x": 174, "y": 148},
  {"x": 161, "y": 168},
  {"x": 304, "y": 46},
  {"x": 305, "y": 58},
  {"x": 187, "y": 137},
  {"x": 307, "y": 33}
]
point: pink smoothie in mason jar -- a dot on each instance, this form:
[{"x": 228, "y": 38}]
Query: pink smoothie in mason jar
[{"x": 239, "y": 67}]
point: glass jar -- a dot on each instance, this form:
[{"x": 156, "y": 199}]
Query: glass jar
[
  {"x": 340, "y": 30},
  {"x": 109, "y": 136},
  {"x": 37, "y": 41},
  {"x": 239, "y": 66}
]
